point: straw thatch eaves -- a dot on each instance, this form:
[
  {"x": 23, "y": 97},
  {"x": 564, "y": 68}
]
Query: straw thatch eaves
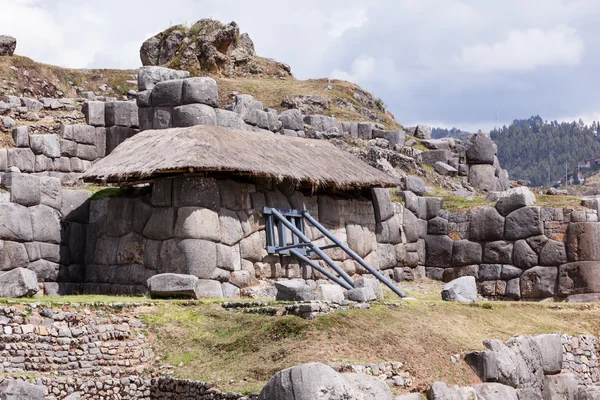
[{"x": 154, "y": 154}]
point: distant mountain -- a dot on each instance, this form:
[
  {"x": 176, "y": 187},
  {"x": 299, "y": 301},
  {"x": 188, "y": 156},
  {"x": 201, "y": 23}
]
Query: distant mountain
[{"x": 540, "y": 151}]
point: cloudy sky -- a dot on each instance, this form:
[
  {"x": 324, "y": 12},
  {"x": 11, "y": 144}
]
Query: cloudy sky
[{"x": 443, "y": 62}]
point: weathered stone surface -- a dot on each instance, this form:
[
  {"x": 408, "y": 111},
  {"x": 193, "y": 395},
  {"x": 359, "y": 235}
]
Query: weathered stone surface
[
  {"x": 438, "y": 251},
  {"x": 499, "y": 252},
  {"x": 230, "y": 227},
  {"x": 360, "y": 295},
  {"x": 8, "y": 44},
  {"x": 553, "y": 253},
  {"x": 444, "y": 169},
  {"x": 489, "y": 272},
  {"x": 197, "y": 223},
  {"x": 523, "y": 255},
  {"x": 48, "y": 145},
  {"x": 382, "y": 204},
  {"x": 465, "y": 252},
  {"x": 414, "y": 184},
  {"x": 423, "y": 131},
  {"x": 371, "y": 283},
  {"x": 389, "y": 231},
  {"x": 330, "y": 292},
  {"x": 309, "y": 382},
  {"x": 173, "y": 285},
  {"x": 45, "y": 223},
  {"x": 50, "y": 192},
  {"x": 561, "y": 386},
  {"x": 193, "y": 114},
  {"x": 168, "y": 93},
  {"x": 513, "y": 199},
  {"x": 25, "y": 190},
  {"x": 162, "y": 118},
  {"x": 94, "y": 113},
  {"x": 483, "y": 176},
  {"x": 523, "y": 223},
  {"x": 486, "y": 225},
  {"x": 583, "y": 241},
  {"x": 395, "y": 138},
  {"x": 200, "y": 256},
  {"x": 20, "y": 135},
  {"x": 210, "y": 289},
  {"x": 537, "y": 243},
  {"x": 19, "y": 390},
  {"x": 579, "y": 277},
  {"x": 430, "y": 157},
  {"x": 115, "y": 135},
  {"x": 437, "y": 226},
  {"x": 293, "y": 291},
  {"x": 19, "y": 282},
  {"x": 46, "y": 271},
  {"x": 480, "y": 149},
  {"x": 510, "y": 272},
  {"x": 196, "y": 192},
  {"x": 122, "y": 113},
  {"x": 75, "y": 205},
  {"x": 13, "y": 255},
  {"x": 160, "y": 226},
  {"x": 200, "y": 90},
  {"x": 292, "y": 119},
  {"x": 463, "y": 290},
  {"x": 229, "y": 119},
  {"x": 22, "y": 158},
  {"x": 551, "y": 351},
  {"x": 149, "y": 76},
  {"x": 494, "y": 391},
  {"x": 513, "y": 289},
  {"x": 230, "y": 291},
  {"x": 410, "y": 226},
  {"x": 539, "y": 282},
  {"x": 15, "y": 223}
]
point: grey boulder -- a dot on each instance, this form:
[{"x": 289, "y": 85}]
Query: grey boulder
[
  {"x": 173, "y": 285},
  {"x": 19, "y": 282},
  {"x": 293, "y": 291},
  {"x": 18, "y": 390},
  {"x": 480, "y": 149},
  {"x": 8, "y": 44},
  {"x": 513, "y": 199},
  {"x": 463, "y": 290},
  {"x": 494, "y": 391}
]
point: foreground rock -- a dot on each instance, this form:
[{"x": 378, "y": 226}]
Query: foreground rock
[
  {"x": 18, "y": 390},
  {"x": 294, "y": 291},
  {"x": 8, "y": 44},
  {"x": 174, "y": 285},
  {"x": 19, "y": 282},
  {"x": 463, "y": 290},
  {"x": 316, "y": 381}
]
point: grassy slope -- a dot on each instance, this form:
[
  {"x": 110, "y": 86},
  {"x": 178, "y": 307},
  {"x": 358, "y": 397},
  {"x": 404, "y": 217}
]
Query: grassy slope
[{"x": 209, "y": 343}]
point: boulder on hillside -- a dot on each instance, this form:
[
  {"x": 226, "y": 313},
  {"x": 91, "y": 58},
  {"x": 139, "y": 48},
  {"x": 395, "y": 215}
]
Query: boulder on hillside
[
  {"x": 8, "y": 44},
  {"x": 463, "y": 290},
  {"x": 513, "y": 199},
  {"x": 19, "y": 282},
  {"x": 174, "y": 285},
  {"x": 318, "y": 381},
  {"x": 18, "y": 390},
  {"x": 481, "y": 149},
  {"x": 208, "y": 45}
]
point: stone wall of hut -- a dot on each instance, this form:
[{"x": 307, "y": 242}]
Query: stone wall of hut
[{"x": 215, "y": 229}]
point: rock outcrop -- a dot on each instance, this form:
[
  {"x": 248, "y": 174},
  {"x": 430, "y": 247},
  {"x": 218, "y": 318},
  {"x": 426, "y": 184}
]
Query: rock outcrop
[
  {"x": 8, "y": 44},
  {"x": 208, "y": 46}
]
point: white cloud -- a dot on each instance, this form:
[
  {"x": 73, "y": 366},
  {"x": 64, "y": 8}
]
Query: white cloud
[
  {"x": 346, "y": 18},
  {"x": 525, "y": 50}
]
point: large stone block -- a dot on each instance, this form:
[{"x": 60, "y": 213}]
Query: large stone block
[
  {"x": 294, "y": 291},
  {"x": 253, "y": 248},
  {"x": 94, "y": 113},
  {"x": 119, "y": 216},
  {"x": 122, "y": 113},
  {"x": 115, "y": 135},
  {"x": 200, "y": 256},
  {"x": 583, "y": 241},
  {"x": 389, "y": 231},
  {"x": 539, "y": 282},
  {"x": 438, "y": 251},
  {"x": 523, "y": 223},
  {"x": 553, "y": 253},
  {"x": 45, "y": 222},
  {"x": 292, "y": 119},
  {"x": 229, "y": 119},
  {"x": 196, "y": 191},
  {"x": 382, "y": 204},
  {"x": 395, "y": 138},
  {"x": 483, "y": 176},
  {"x": 131, "y": 249},
  {"x": 25, "y": 190},
  {"x": 173, "y": 285},
  {"x": 22, "y": 158},
  {"x": 551, "y": 351},
  {"x": 20, "y": 135},
  {"x": 162, "y": 191},
  {"x": 149, "y": 76},
  {"x": 579, "y": 277},
  {"x": 463, "y": 290},
  {"x": 193, "y": 114},
  {"x": 15, "y": 223},
  {"x": 199, "y": 90},
  {"x": 87, "y": 152},
  {"x": 465, "y": 252},
  {"x": 76, "y": 205},
  {"x": 210, "y": 289},
  {"x": 19, "y": 282},
  {"x": 430, "y": 157},
  {"x": 329, "y": 210},
  {"x": 161, "y": 225},
  {"x": 486, "y": 225},
  {"x": 230, "y": 227},
  {"x": 46, "y": 271},
  {"x": 68, "y": 148},
  {"x": 480, "y": 149},
  {"x": 146, "y": 118},
  {"x": 499, "y": 252},
  {"x": 560, "y": 387},
  {"x": 48, "y": 145},
  {"x": 524, "y": 256},
  {"x": 198, "y": 223},
  {"x": 13, "y": 255},
  {"x": 494, "y": 391},
  {"x": 410, "y": 226},
  {"x": 513, "y": 199},
  {"x": 415, "y": 185},
  {"x": 365, "y": 130},
  {"x": 359, "y": 239}
]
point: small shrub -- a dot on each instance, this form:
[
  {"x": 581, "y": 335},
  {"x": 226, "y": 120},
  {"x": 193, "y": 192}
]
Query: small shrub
[{"x": 380, "y": 104}]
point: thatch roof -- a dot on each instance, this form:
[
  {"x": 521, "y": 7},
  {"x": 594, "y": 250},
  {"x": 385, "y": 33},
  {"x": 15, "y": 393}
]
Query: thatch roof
[{"x": 152, "y": 154}]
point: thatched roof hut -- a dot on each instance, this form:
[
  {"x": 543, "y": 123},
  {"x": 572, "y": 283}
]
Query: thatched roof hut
[{"x": 154, "y": 154}]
